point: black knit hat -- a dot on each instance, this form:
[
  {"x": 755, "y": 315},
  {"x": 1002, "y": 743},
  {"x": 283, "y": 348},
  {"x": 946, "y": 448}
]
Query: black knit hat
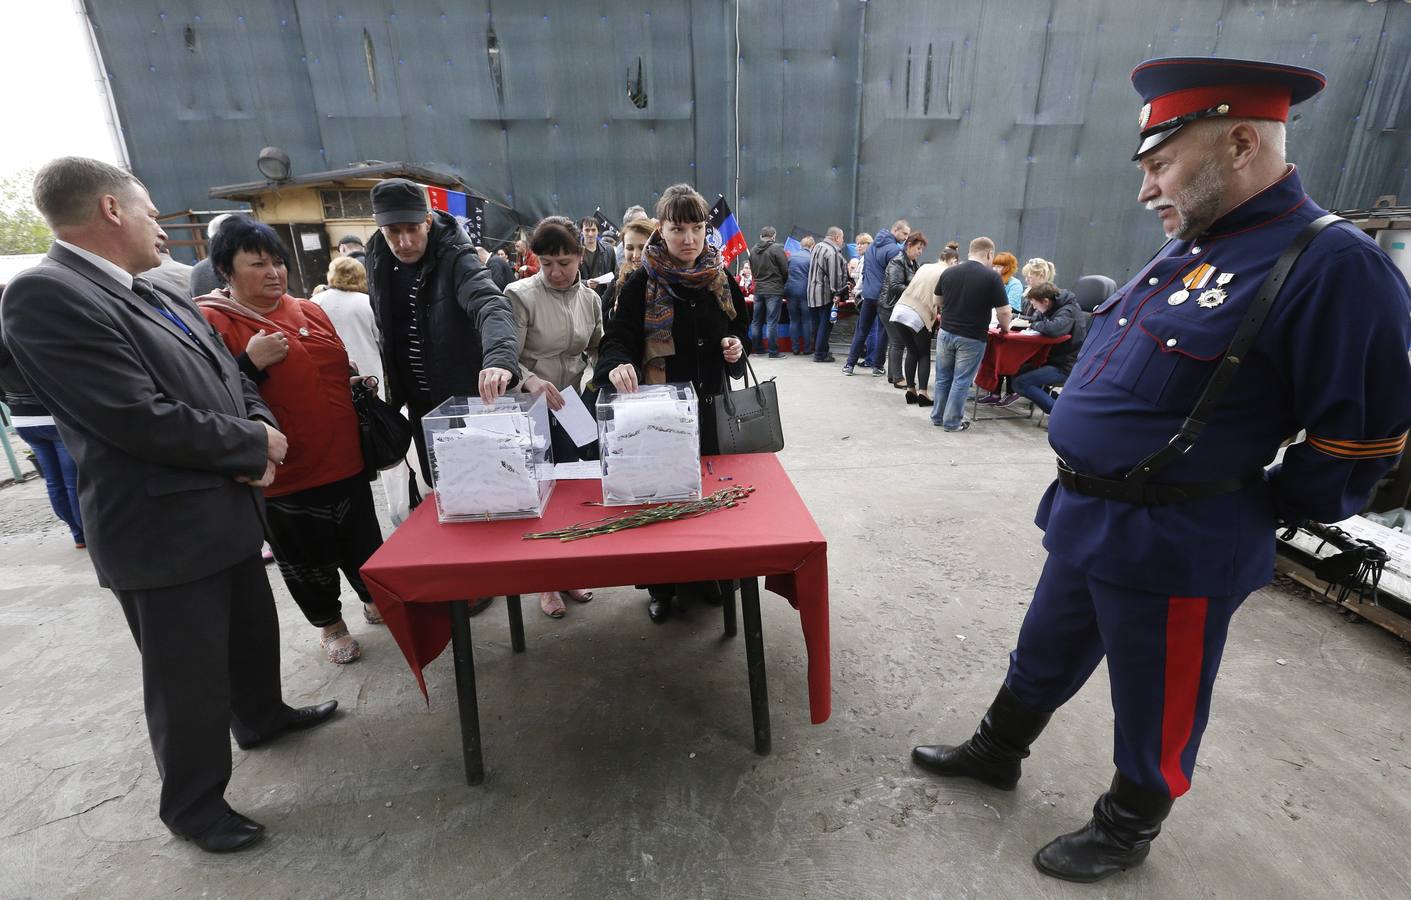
[{"x": 397, "y": 201}]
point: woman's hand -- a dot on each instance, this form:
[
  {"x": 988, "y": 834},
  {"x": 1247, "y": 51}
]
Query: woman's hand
[
  {"x": 732, "y": 348},
  {"x": 624, "y": 378},
  {"x": 536, "y": 386},
  {"x": 265, "y": 350}
]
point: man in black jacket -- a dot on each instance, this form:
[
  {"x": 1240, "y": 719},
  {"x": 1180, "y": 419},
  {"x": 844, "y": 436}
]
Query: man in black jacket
[
  {"x": 1054, "y": 313},
  {"x": 447, "y": 329},
  {"x": 770, "y": 265}
]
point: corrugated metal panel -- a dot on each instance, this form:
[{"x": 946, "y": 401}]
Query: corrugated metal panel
[{"x": 1012, "y": 118}]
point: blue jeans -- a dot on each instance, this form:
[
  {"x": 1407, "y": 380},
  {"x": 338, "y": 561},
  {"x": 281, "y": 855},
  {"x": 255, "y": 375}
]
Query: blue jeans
[
  {"x": 862, "y": 338},
  {"x": 1032, "y": 384},
  {"x": 766, "y": 307},
  {"x": 60, "y": 474},
  {"x": 957, "y": 361},
  {"x": 801, "y": 325},
  {"x": 824, "y": 320}
]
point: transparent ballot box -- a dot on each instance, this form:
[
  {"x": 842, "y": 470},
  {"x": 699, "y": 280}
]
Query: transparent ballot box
[
  {"x": 650, "y": 445},
  {"x": 490, "y": 462}
]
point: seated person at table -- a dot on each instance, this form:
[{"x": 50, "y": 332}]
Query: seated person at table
[{"x": 1055, "y": 313}]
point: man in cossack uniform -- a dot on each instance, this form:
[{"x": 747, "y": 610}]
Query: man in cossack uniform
[{"x": 1163, "y": 516}]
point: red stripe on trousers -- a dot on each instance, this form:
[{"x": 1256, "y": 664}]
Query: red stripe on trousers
[{"x": 1185, "y": 654}]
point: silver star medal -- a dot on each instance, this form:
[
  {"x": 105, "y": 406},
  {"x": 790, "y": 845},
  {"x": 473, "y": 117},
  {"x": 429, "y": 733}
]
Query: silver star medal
[{"x": 1213, "y": 297}]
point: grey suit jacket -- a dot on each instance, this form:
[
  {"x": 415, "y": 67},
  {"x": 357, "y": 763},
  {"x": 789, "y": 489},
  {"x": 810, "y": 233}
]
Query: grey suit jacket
[{"x": 159, "y": 427}]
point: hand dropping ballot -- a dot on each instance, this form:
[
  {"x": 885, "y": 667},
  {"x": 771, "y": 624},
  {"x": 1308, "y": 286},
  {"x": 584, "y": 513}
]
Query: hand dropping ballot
[
  {"x": 650, "y": 445},
  {"x": 489, "y": 462}
]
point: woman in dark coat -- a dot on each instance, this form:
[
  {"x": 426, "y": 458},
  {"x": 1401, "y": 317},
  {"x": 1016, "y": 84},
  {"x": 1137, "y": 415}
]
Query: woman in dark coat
[{"x": 680, "y": 318}]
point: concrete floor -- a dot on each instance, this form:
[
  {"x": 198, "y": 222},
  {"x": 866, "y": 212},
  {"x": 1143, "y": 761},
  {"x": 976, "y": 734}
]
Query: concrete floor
[{"x": 618, "y": 752}]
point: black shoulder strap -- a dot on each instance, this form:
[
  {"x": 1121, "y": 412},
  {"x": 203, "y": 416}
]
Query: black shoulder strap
[{"x": 1234, "y": 355}]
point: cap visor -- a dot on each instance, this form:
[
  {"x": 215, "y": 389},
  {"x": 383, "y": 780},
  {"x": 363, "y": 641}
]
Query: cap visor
[
  {"x": 400, "y": 216},
  {"x": 1151, "y": 142}
]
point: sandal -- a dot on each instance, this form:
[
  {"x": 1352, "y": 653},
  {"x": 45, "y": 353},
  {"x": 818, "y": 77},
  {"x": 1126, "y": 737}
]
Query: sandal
[
  {"x": 552, "y": 605},
  {"x": 577, "y": 596},
  {"x": 372, "y": 615},
  {"x": 339, "y": 652}
]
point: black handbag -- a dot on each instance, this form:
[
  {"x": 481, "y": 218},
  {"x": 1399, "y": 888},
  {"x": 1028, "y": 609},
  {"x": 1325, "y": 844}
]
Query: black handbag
[
  {"x": 385, "y": 434},
  {"x": 747, "y": 420}
]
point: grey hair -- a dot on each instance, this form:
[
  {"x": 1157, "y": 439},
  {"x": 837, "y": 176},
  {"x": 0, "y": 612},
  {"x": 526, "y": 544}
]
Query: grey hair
[
  {"x": 1272, "y": 134},
  {"x": 66, "y": 189},
  {"x": 835, "y": 232}
]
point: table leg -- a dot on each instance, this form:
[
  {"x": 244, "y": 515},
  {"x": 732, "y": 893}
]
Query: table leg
[
  {"x": 754, "y": 657},
  {"x": 728, "y": 605},
  {"x": 516, "y": 622},
  {"x": 465, "y": 692}
]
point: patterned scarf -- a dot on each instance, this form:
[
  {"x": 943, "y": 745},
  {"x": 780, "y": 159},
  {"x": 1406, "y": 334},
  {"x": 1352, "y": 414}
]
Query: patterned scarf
[{"x": 666, "y": 275}]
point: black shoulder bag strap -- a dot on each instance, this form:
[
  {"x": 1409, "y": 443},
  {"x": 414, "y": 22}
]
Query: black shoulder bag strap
[{"x": 1224, "y": 373}]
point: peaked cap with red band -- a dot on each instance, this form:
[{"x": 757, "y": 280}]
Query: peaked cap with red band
[{"x": 1178, "y": 90}]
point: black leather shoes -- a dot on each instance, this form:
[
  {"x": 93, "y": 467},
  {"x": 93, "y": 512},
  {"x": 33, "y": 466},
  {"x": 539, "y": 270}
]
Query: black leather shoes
[
  {"x": 231, "y": 832},
  {"x": 992, "y": 756},
  {"x": 310, "y": 716},
  {"x": 295, "y": 720},
  {"x": 1118, "y": 837},
  {"x": 659, "y": 608}
]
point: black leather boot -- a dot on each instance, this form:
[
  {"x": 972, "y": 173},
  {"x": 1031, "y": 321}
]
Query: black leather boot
[
  {"x": 1118, "y": 837},
  {"x": 993, "y": 754}
]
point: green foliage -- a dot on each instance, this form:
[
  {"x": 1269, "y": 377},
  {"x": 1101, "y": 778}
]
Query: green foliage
[{"x": 22, "y": 229}]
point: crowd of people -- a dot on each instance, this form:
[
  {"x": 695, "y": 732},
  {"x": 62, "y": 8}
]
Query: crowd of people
[{"x": 905, "y": 308}]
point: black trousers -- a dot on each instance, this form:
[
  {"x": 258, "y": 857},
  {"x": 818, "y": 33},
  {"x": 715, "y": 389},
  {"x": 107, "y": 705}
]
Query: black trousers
[
  {"x": 915, "y": 346},
  {"x": 210, "y": 667},
  {"x": 316, "y": 533}
]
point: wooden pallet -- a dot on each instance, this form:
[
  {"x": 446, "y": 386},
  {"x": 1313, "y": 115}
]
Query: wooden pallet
[{"x": 1384, "y": 618}]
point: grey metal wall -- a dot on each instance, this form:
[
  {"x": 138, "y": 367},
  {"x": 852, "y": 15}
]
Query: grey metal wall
[{"x": 1012, "y": 118}]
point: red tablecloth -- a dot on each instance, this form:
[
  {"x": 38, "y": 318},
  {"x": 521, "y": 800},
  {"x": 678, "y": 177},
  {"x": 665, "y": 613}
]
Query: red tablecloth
[
  {"x": 424, "y": 563},
  {"x": 1008, "y": 352}
]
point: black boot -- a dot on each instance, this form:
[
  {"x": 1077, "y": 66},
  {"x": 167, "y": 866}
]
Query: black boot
[
  {"x": 993, "y": 754},
  {"x": 1118, "y": 837}
]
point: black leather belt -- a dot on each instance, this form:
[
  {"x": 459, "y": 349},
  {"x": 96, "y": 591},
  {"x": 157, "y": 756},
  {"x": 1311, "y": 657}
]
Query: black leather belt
[{"x": 1145, "y": 493}]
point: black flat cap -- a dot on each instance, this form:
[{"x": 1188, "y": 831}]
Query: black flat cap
[{"x": 397, "y": 200}]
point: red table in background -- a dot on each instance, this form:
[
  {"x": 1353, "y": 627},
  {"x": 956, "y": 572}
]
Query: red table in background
[
  {"x": 422, "y": 576},
  {"x": 1008, "y": 352}
]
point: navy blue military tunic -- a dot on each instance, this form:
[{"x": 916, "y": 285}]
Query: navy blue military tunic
[{"x": 1331, "y": 360}]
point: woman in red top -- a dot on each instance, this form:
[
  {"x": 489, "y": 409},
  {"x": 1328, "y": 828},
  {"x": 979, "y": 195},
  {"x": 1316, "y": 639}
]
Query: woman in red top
[{"x": 320, "y": 512}]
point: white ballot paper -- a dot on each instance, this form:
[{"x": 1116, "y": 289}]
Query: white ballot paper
[
  {"x": 576, "y": 419},
  {"x": 479, "y": 471},
  {"x": 587, "y": 470},
  {"x": 605, "y": 278}
]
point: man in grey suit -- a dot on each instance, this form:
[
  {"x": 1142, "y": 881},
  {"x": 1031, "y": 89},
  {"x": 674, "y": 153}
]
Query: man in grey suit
[{"x": 172, "y": 445}]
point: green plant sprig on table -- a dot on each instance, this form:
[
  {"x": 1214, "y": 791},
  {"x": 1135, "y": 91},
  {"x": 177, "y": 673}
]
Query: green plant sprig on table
[{"x": 725, "y": 498}]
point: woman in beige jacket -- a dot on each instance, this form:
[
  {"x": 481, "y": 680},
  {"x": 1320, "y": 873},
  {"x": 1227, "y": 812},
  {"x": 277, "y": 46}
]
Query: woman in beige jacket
[
  {"x": 558, "y": 325},
  {"x": 917, "y": 312}
]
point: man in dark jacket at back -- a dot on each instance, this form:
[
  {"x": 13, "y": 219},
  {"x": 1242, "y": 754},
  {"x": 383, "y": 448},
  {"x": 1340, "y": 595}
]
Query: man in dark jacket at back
[
  {"x": 886, "y": 245},
  {"x": 801, "y": 325},
  {"x": 770, "y": 265},
  {"x": 1052, "y": 313},
  {"x": 447, "y": 329}
]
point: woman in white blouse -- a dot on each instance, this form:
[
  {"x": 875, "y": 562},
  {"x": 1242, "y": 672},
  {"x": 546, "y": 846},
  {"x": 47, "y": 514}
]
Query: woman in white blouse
[{"x": 559, "y": 323}]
